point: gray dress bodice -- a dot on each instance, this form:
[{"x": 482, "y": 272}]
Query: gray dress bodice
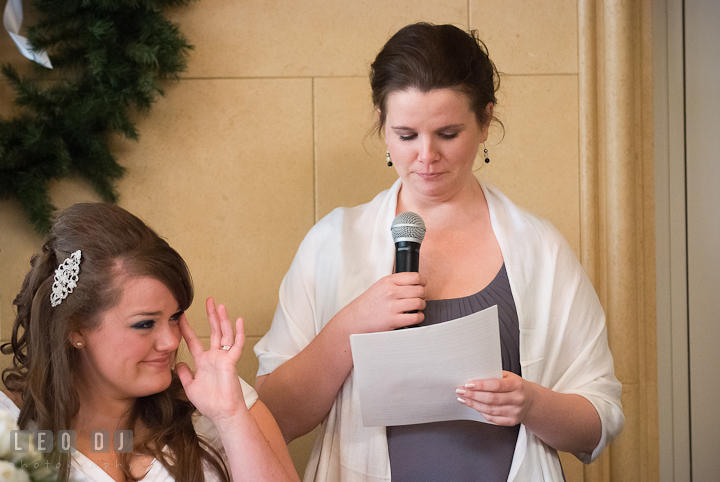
[{"x": 462, "y": 450}]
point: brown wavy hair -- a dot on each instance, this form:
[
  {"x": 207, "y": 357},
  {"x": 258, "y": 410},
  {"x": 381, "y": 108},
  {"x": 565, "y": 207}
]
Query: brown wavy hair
[{"x": 115, "y": 246}]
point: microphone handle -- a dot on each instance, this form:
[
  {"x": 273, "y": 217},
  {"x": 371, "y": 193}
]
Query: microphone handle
[{"x": 407, "y": 257}]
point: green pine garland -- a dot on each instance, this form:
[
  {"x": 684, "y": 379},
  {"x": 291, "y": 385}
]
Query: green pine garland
[{"x": 112, "y": 56}]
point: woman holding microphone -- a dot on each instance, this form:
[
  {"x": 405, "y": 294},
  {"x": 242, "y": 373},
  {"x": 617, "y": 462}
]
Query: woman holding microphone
[{"x": 434, "y": 89}]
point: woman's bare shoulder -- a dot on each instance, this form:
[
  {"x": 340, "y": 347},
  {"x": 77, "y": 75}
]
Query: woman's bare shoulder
[{"x": 15, "y": 397}]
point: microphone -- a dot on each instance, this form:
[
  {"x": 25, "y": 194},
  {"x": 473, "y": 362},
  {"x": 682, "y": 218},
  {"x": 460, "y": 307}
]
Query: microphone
[{"x": 408, "y": 231}]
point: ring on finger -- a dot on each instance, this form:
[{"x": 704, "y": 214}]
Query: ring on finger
[{"x": 225, "y": 347}]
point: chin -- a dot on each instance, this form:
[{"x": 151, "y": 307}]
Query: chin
[{"x": 160, "y": 385}]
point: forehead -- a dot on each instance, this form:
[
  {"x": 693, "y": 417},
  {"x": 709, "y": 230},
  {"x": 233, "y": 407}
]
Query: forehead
[
  {"x": 143, "y": 295},
  {"x": 440, "y": 104}
]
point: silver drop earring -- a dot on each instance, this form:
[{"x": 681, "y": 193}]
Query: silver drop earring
[
  {"x": 387, "y": 158},
  {"x": 487, "y": 159}
]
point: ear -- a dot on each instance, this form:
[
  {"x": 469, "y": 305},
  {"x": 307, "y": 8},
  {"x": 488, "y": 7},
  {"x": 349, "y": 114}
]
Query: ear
[
  {"x": 76, "y": 340},
  {"x": 382, "y": 130},
  {"x": 489, "y": 111}
]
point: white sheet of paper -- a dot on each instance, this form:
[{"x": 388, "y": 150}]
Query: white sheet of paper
[{"x": 410, "y": 376}]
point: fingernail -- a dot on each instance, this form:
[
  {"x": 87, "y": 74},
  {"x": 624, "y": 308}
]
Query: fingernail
[
  {"x": 470, "y": 385},
  {"x": 460, "y": 391},
  {"x": 461, "y": 400}
]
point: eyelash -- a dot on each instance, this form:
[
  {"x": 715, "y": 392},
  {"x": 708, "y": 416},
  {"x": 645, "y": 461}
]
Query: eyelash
[
  {"x": 144, "y": 325},
  {"x": 148, "y": 324},
  {"x": 444, "y": 136}
]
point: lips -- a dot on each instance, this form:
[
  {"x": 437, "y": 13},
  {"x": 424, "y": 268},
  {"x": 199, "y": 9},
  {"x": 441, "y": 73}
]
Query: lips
[
  {"x": 159, "y": 362},
  {"x": 429, "y": 176}
]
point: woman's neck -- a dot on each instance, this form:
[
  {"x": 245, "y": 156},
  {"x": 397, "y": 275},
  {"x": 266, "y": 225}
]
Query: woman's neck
[
  {"x": 458, "y": 207},
  {"x": 101, "y": 412}
]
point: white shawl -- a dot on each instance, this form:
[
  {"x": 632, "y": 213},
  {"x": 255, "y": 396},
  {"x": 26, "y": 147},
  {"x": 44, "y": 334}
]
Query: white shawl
[{"x": 563, "y": 341}]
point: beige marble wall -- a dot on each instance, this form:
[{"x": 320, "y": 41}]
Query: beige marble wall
[{"x": 266, "y": 133}]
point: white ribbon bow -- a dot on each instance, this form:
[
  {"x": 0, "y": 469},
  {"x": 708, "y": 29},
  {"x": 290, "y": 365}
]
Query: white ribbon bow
[{"x": 13, "y": 20}]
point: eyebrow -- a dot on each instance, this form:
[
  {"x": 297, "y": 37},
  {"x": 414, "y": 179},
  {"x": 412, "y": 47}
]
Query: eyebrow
[
  {"x": 148, "y": 313},
  {"x": 156, "y": 313},
  {"x": 451, "y": 126}
]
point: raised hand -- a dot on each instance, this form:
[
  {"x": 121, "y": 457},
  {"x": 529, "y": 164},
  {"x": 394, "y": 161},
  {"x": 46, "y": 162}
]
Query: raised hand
[{"x": 214, "y": 388}]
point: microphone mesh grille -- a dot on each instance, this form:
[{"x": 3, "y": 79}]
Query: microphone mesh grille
[{"x": 408, "y": 226}]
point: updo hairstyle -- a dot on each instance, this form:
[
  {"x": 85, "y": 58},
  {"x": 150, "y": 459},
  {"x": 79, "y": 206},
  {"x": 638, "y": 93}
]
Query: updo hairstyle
[{"x": 424, "y": 56}]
